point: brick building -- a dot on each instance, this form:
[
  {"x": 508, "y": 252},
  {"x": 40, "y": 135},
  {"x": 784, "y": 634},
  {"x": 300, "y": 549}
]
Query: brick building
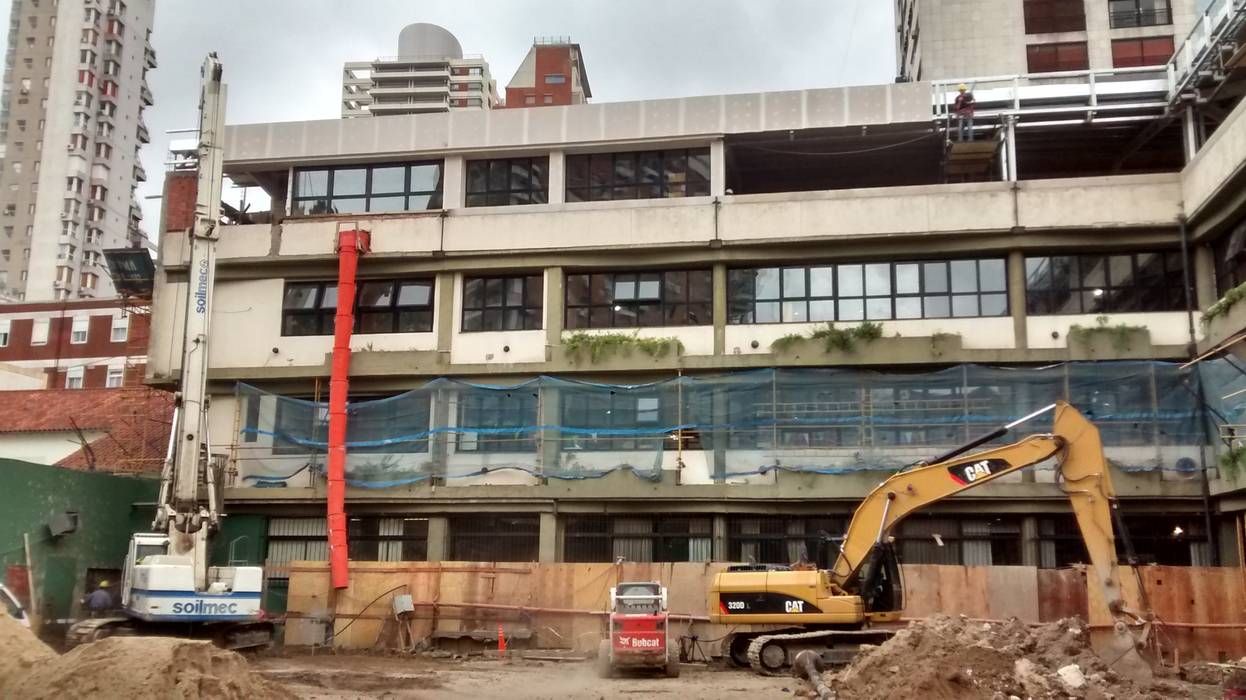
[
  {"x": 551, "y": 74},
  {"x": 84, "y": 344}
]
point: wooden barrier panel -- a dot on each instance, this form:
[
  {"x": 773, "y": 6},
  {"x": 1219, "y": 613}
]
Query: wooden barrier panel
[{"x": 562, "y": 605}]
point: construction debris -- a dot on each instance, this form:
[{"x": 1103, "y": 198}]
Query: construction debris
[
  {"x": 949, "y": 657},
  {"x": 126, "y": 667}
]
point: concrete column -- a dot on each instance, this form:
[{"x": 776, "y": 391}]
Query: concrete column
[
  {"x": 720, "y": 436},
  {"x": 1011, "y": 145},
  {"x": 1029, "y": 541},
  {"x": 557, "y": 177},
  {"x": 454, "y": 183},
  {"x": 1016, "y": 296},
  {"x": 1189, "y": 130},
  {"x": 551, "y": 440},
  {"x": 439, "y": 442},
  {"x": 553, "y": 309},
  {"x": 720, "y": 538},
  {"x": 445, "y": 321},
  {"x": 547, "y": 551},
  {"x": 1204, "y": 272},
  {"x": 718, "y": 168},
  {"x": 438, "y": 538},
  {"x": 720, "y": 309}
]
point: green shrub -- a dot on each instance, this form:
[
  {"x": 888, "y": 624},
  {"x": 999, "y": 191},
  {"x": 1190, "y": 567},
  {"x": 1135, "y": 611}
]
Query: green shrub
[
  {"x": 1120, "y": 334},
  {"x": 1225, "y": 303},
  {"x": 833, "y": 339},
  {"x": 599, "y": 346}
]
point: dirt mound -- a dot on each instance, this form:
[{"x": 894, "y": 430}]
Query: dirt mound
[
  {"x": 20, "y": 651},
  {"x": 947, "y": 658},
  {"x": 145, "y": 667}
]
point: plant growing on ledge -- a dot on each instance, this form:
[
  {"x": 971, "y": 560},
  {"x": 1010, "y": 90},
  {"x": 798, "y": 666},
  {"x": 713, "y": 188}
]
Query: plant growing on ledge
[
  {"x": 1231, "y": 462},
  {"x": 1225, "y": 303},
  {"x": 600, "y": 346},
  {"x": 1120, "y": 334},
  {"x": 841, "y": 339}
]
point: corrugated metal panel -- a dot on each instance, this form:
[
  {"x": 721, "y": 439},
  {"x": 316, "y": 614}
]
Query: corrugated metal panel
[{"x": 297, "y": 527}]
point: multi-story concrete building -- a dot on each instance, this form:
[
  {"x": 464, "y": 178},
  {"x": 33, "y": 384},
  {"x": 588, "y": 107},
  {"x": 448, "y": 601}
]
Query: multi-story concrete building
[
  {"x": 551, "y": 74},
  {"x": 72, "y": 121},
  {"x": 600, "y": 330},
  {"x": 939, "y": 39},
  {"x": 429, "y": 74},
  {"x": 80, "y": 344}
]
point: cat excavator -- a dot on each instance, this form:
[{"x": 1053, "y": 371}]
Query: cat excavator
[{"x": 776, "y": 612}]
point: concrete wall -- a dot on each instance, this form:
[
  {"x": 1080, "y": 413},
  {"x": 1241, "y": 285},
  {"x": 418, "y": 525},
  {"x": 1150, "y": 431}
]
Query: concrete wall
[
  {"x": 47, "y": 447},
  {"x": 1213, "y": 172}
]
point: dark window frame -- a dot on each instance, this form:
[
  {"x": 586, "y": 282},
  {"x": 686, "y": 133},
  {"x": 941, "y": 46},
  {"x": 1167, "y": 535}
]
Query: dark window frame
[
  {"x": 322, "y": 317},
  {"x": 926, "y": 298},
  {"x": 1042, "y": 295},
  {"x": 618, "y": 312},
  {"x": 317, "y": 420},
  {"x": 528, "y": 311},
  {"x": 363, "y": 538},
  {"x": 324, "y": 204},
  {"x": 486, "y": 172},
  {"x": 774, "y": 538},
  {"x": 507, "y": 415},
  {"x": 1057, "y": 62},
  {"x": 1054, "y": 16},
  {"x": 586, "y": 537},
  {"x": 1005, "y": 542},
  {"x": 613, "y": 411},
  {"x": 1135, "y": 16},
  {"x": 495, "y": 537},
  {"x": 632, "y": 175}
]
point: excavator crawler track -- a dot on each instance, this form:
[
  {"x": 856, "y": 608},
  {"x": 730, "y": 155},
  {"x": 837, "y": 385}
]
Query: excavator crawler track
[{"x": 836, "y": 647}]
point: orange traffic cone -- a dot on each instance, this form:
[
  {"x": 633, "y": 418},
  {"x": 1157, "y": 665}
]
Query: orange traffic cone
[{"x": 501, "y": 642}]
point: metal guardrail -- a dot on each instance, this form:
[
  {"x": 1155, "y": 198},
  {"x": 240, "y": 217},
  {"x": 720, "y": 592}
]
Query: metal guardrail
[{"x": 1223, "y": 18}]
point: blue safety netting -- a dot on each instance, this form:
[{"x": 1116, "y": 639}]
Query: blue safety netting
[{"x": 710, "y": 427}]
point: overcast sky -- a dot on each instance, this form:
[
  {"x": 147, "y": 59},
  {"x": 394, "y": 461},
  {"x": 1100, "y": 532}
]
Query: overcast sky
[{"x": 283, "y": 58}]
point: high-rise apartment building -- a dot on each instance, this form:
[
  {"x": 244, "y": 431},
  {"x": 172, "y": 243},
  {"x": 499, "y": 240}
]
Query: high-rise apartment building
[
  {"x": 551, "y": 74},
  {"x": 941, "y": 39},
  {"x": 71, "y": 128},
  {"x": 430, "y": 74}
]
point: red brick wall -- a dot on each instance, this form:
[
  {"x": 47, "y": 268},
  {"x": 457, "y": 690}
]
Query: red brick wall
[
  {"x": 550, "y": 60},
  {"x": 99, "y": 340},
  {"x": 180, "y": 189}
]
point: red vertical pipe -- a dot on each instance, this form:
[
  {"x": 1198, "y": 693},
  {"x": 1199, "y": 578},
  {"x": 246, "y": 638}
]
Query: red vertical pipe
[{"x": 350, "y": 245}]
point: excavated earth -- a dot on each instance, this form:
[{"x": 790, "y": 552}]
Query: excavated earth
[{"x": 948, "y": 658}]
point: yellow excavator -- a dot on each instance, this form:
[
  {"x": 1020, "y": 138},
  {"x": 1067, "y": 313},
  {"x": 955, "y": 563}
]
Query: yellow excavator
[{"x": 777, "y": 613}]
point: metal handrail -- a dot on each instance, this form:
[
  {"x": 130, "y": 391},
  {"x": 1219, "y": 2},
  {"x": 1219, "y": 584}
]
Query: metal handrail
[{"x": 1211, "y": 26}]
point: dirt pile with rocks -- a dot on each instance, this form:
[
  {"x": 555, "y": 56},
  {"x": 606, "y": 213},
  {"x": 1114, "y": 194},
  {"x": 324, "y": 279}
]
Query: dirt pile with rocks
[
  {"x": 126, "y": 667},
  {"x": 947, "y": 658}
]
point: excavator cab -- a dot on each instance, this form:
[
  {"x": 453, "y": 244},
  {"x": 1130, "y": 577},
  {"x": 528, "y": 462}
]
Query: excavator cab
[{"x": 881, "y": 585}]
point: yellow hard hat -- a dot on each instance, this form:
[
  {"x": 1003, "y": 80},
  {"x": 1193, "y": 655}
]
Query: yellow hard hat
[
  {"x": 103, "y": 584},
  {"x": 962, "y": 87}
]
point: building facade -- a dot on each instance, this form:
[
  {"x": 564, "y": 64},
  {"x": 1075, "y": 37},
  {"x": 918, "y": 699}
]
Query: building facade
[
  {"x": 74, "y": 96},
  {"x": 430, "y": 74},
  {"x": 551, "y": 74},
  {"x": 609, "y": 337},
  {"x": 83, "y": 344},
  {"x": 946, "y": 39}
]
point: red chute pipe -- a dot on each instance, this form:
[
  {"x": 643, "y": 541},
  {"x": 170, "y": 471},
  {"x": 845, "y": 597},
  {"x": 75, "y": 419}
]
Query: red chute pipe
[{"x": 350, "y": 245}]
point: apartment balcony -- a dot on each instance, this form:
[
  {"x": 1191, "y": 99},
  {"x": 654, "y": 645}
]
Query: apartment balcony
[
  {"x": 140, "y": 174},
  {"x": 149, "y": 58},
  {"x": 144, "y": 94},
  {"x": 409, "y": 107},
  {"x": 143, "y": 135},
  {"x": 413, "y": 72},
  {"x": 408, "y": 90}
]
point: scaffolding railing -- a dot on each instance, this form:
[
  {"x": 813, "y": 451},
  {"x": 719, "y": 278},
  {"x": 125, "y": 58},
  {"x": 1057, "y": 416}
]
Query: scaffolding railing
[{"x": 1215, "y": 29}]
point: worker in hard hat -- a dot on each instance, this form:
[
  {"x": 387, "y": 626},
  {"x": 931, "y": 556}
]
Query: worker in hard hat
[
  {"x": 963, "y": 109},
  {"x": 99, "y": 601}
]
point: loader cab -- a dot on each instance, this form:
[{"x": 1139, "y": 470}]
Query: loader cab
[
  {"x": 881, "y": 584},
  {"x": 142, "y": 545}
]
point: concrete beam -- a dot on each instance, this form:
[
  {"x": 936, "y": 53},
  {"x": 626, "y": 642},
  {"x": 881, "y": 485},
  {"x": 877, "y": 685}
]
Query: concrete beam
[
  {"x": 547, "y": 549},
  {"x": 438, "y": 538}
]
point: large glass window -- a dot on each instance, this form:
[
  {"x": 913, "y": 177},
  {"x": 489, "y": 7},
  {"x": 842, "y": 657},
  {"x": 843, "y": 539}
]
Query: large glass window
[
  {"x": 604, "y": 538},
  {"x": 381, "y": 306},
  {"x": 505, "y": 181},
  {"x": 387, "y": 539},
  {"x": 611, "y": 412},
  {"x": 503, "y": 303},
  {"x": 1094, "y": 284},
  {"x": 377, "y": 188},
  {"x": 630, "y": 299},
  {"x": 781, "y": 540},
  {"x": 1051, "y": 58},
  {"x": 1149, "y": 51},
  {"x": 968, "y": 542},
  {"x": 1139, "y": 13},
  {"x": 1046, "y": 16},
  {"x": 868, "y": 291},
  {"x": 499, "y": 421},
  {"x": 495, "y": 537},
  {"x": 639, "y": 175}
]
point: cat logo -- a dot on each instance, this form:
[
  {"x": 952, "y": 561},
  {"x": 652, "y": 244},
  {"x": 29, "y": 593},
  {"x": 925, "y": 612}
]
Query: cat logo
[
  {"x": 794, "y": 606},
  {"x": 965, "y": 474}
]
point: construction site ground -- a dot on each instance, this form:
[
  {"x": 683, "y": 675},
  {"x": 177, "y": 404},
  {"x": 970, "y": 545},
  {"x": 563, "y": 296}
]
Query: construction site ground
[{"x": 328, "y": 676}]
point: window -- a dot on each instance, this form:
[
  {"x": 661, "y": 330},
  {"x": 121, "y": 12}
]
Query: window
[
  {"x": 308, "y": 308},
  {"x": 379, "y": 188},
  {"x": 1046, "y": 16},
  {"x": 869, "y": 291},
  {"x": 116, "y": 376},
  {"x": 79, "y": 329},
  {"x": 5, "y": 330},
  {"x": 555, "y": 79},
  {"x": 1050, "y": 58},
  {"x": 505, "y": 181},
  {"x": 969, "y": 541},
  {"x": 547, "y": 99},
  {"x": 606, "y": 538},
  {"x": 73, "y": 378},
  {"x": 495, "y": 538},
  {"x": 1149, "y": 51},
  {"x": 616, "y": 415},
  {"x": 529, "y": 99},
  {"x": 39, "y": 331},
  {"x": 497, "y": 421},
  {"x": 782, "y": 540},
  {"x": 1096, "y": 284},
  {"x": 120, "y": 329},
  {"x": 387, "y": 539},
  {"x": 642, "y": 175},
  {"x": 1139, "y": 13},
  {"x": 629, "y": 299},
  {"x": 502, "y": 303},
  {"x": 294, "y": 539},
  {"x": 395, "y": 306}
]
